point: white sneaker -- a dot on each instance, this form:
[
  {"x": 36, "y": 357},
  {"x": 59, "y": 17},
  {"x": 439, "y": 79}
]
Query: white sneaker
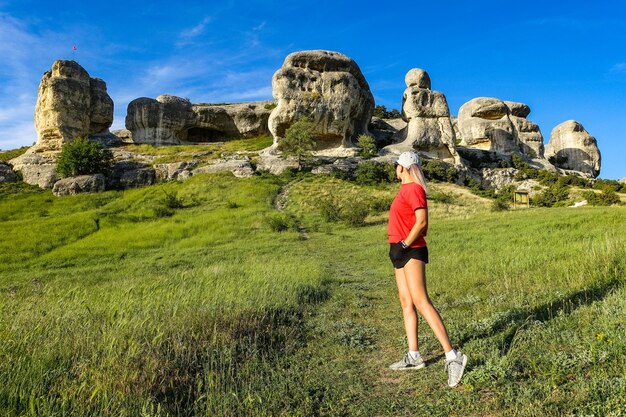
[
  {"x": 408, "y": 363},
  {"x": 455, "y": 368}
]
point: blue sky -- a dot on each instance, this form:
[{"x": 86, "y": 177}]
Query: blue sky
[{"x": 567, "y": 60}]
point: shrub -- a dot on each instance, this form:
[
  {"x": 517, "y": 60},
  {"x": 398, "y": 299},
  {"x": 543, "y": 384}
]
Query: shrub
[
  {"x": 281, "y": 222},
  {"x": 334, "y": 209},
  {"x": 298, "y": 141},
  {"x": 368, "y": 146},
  {"x": 372, "y": 173},
  {"x": 552, "y": 195},
  {"x": 607, "y": 197},
  {"x": 172, "y": 201},
  {"x": 601, "y": 184},
  {"x": 356, "y": 213},
  {"x": 83, "y": 157},
  {"x": 437, "y": 170},
  {"x": 270, "y": 106},
  {"x": 517, "y": 162},
  {"x": 499, "y": 205}
]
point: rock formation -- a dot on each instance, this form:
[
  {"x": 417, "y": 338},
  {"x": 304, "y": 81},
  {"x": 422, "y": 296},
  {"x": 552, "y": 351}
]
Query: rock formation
[
  {"x": 529, "y": 137},
  {"x": 429, "y": 128},
  {"x": 327, "y": 87},
  {"x": 69, "y": 104},
  {"x": 572, "y": 147},
  {"x": 6, "y": 173},
  {"x": 80, "y": 184},
  {"x": 171, "y": 120},
  {"x": 492, "y": 124}
]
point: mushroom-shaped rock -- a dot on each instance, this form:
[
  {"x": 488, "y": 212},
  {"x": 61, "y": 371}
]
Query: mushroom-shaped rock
[
  {"x": 429, "y": 128},
  {"x": 327, "y": 87},
  {"x": 572, "y": 147},
  {"x": 70, "y": 104},
  {"x": 484, "y": 123}
]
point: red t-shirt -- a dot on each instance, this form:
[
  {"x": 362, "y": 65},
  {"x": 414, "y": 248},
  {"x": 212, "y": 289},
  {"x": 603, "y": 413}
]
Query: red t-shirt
[{"x": 402, "y": 214}]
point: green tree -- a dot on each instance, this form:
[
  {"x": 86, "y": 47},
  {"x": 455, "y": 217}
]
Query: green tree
[
  {"x": 83, "y": 157},
  {"x": 298, "y": 141},
  {"x": 368, "y": 146}
]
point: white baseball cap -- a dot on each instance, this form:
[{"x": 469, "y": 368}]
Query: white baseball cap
[{"x": 406, "y": 159}]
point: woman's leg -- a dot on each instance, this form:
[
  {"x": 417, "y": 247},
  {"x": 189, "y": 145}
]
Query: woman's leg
[
  {"x": 408, "y": 310},
  {"x": 415, "y": 275}
]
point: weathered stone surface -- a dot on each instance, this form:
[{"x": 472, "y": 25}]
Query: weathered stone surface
[
  {"x": 275, "y": 164},
  {"x": 571, "y": 147},
  {"x": 327, "y": 87},
  {"x": 346, "y": 166},
  {"x": 70, "y": 104},
  {"x": 6, "y": 173},
  {"x": 429, "y": 128},
  {"x": 124, "y": 135},
  {"x": 498, "y": 178},
  {"x": 492, "y": 124},
  {"x": 171, "y": 120},
  {"x": 240, "y": 168},
  {"x": 127, "y": 174},
  {"x": 159, "y": 121},
  {"x": 382, "y": 131},
  {"x": 484, "y": 123},
  {"x": 36, "y": 169},
  {"x": 529, "y": 137},
  {"x": 175, "y": 170},
  {"x": 80, "y": 184}
]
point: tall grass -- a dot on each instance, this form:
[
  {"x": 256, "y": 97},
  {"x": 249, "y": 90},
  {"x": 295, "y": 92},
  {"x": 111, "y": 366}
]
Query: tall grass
[{"x": 209, "y": 311}]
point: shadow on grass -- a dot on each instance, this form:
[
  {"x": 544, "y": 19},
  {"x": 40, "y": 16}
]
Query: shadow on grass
[{"x": 508, "y": 325}]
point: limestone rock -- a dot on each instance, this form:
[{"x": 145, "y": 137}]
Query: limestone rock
[
  {"x": 80, "y": 184},
  {"x": 69, "y": 104},
  {"x": 175, "y": 170},
  {"x": 498, "y": 178},
  {"x": 171, "y": 120},
  {"x": 6, "y": 173},
  {"x": 36, "y": 169},
  {"x": 125, "y": 135},
  {"x": 159, "y": 121},
  {"x": 623, "y": 180},
  {"x": 275, "y": 164},
  {"x": 484, "y": 123},
  {"x": 492, "y": 124},
  {"x": 128, "y": 174},
  {"x": 327, "y": 87},
  {"x": 429, "y": 128},
  {"x": 530, "y": 139},
  {"x": 571, "y": 147},
  {"x": 240, "y": 168}
]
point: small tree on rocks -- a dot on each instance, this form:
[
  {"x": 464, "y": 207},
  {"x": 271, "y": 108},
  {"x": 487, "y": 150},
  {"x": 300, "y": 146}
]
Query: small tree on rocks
[
  {"x": 298, "y": 141},
  {"x": 83, "y": 157}
]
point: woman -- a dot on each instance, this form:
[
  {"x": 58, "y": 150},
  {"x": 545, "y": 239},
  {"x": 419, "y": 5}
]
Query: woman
[{"x": 408, "y": 224}]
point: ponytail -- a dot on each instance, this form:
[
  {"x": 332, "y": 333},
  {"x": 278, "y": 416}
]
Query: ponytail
[{"x": 418, "y": 176}]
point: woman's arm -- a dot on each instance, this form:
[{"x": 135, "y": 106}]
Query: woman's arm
[{"x": 421, "y": 221}]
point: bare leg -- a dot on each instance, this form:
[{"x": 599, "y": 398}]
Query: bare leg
[
  {"x": 415, "y": 274},
  {"x": 408, "y": 310}
]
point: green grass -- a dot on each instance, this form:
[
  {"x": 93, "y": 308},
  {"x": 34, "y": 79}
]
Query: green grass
[
  {"x": 112, "y": 305},
  {"x": 201, "y": 152},
  {"x": 13, "y": 153}
]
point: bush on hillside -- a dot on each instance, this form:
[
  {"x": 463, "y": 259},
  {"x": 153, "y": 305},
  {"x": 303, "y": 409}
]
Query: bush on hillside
[
  {"x": 83, "y": 157},
  {"x": 607, "y": 197},
  {"x": 372, "y": 173},
  {"x": 439, "y": 171},
  {"x": 614, "y": 185},
  {"x": 551, "y": 196}
]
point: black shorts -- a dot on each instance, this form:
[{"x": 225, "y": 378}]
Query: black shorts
[{"x": 399, "y": 257}]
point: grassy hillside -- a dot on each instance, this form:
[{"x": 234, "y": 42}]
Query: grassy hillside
[{"x": 181, "y": 299}]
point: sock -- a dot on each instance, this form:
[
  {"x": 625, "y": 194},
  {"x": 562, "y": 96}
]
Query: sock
[
  {"x": 451, "y": 355},
  {"x": 414, "y": 353}
]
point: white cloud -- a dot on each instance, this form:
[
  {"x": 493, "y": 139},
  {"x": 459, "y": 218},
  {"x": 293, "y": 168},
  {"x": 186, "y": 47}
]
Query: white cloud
[
  {"x": 619, "y": 68},
  {"x": 18, "y": 134},
  {"x": 187, "y": 35}
]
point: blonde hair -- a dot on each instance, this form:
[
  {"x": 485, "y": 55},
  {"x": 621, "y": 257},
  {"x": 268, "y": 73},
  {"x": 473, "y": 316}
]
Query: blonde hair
[{"x": 418, "y": 176}]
